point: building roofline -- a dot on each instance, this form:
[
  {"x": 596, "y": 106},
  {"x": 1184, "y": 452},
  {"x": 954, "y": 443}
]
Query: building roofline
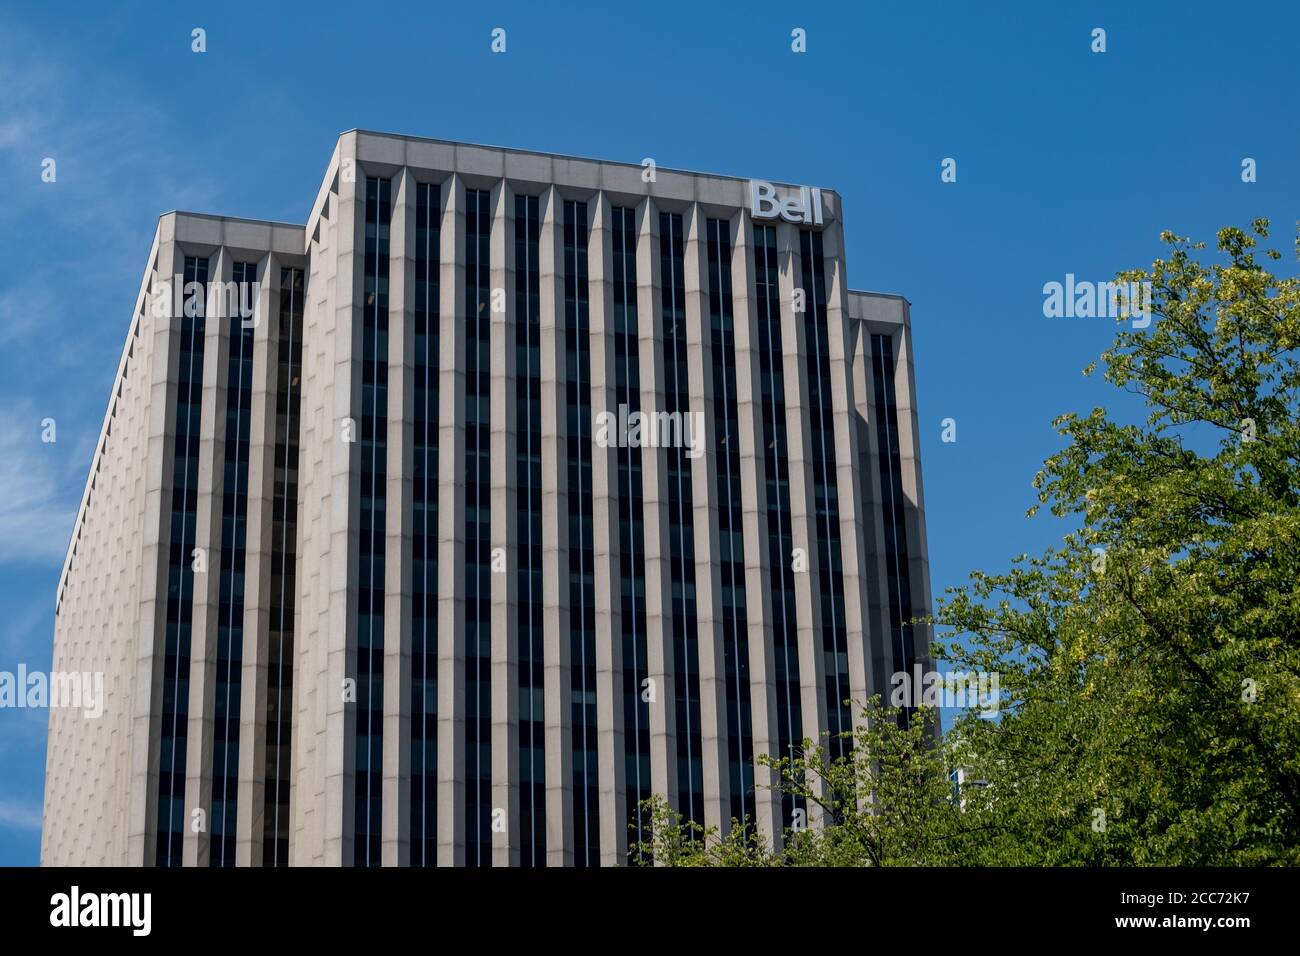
[
  {"x": 356, "y": 132},
  {"x": 565, "y": 156},
  {"x": 220, "y": 218},
  {"x": 881, "y": 295}
]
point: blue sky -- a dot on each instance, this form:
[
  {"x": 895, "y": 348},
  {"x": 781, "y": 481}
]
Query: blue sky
[{"x": 1067, "y": 161}]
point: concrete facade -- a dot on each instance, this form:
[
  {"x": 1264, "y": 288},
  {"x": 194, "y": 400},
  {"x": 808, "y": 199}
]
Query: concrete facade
[{"x": 337, "y": 715}]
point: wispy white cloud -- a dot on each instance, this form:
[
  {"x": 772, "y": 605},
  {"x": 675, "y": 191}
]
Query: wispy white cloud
[
  {"x": 35, "y": 512},
  {"x": 111, "y": 147},
  {"x": 14, "y": 131},
  {"x": 73, "y": 252},
  {"x": 74, "y": 249},
  {"x": 18, "y": 815}
]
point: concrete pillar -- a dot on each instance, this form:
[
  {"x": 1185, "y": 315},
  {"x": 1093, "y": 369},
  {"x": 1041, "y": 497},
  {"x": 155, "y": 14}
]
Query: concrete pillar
[
  {"x": 151, "y": 635},
  {"x": 659, "y": 636},
  {"x": 505, "y": 531},
  {"x": 714, "y": 727},
  {"x": 323, "y": 601},
  {"x": 803, "y": 520},
  {"x": 754, "y": 503},
  {"x": 349, "y": 301},
  {"x": 606, "y": 544},
  {"x": 258, "y": 553},
  {"x": 909, "y": 443},
  {"x": 840, "y": 330},
  {"x": 396, "y": 827},
  {"x": 556, "y": 453},
  {"x": 207, "y": 584},
  {"x": 328, "y": 536},
  {"x": 451, "y": 546}
]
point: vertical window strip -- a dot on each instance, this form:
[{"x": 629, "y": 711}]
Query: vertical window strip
[
  {"x": 424, "y": 538},
  {"x": 374, "y": 472},
  {"x": 528, "y": 367},
  {"x": 478, "y": 545},
  {"x": 891, "y": 486},
  {"x": 582, "y": 601},
  {"x": 825, "y": 493},
  {"x": 174, "y": 712},
  {"x": 230, "y": 606},
  {"x": 776, "y": 477},
  {"x": 731, "y": 554},
  {"x": 631, "y": 559},
  {"x": 680, "y": 514},
  {"x": 284, "y": 532}
]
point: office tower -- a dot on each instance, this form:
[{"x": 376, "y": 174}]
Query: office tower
[{"x": 510, "y": 490}]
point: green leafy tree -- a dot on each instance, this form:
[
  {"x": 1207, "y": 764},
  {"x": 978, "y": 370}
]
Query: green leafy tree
[
  {"x": 1150, "y": 665},
  {"x": 888, "y": 803},
  {"x": 1151, "y": 662}
]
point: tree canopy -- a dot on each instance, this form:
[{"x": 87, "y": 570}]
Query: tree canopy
[{"x": 1149, "y": 664}]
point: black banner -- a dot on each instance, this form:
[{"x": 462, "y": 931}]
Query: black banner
[{"x": 646, "y": 906}]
